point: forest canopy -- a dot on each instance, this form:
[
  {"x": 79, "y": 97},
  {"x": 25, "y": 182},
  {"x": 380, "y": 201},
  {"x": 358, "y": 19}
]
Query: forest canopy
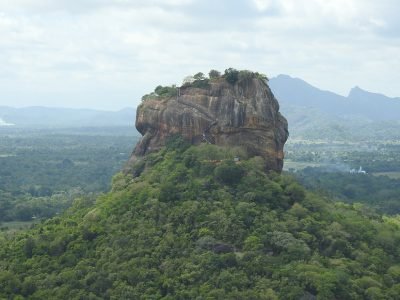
[{"x": 193, "y": 222}]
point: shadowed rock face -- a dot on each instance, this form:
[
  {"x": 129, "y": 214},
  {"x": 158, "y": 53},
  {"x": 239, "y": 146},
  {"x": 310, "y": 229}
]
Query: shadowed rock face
[{"x": 244, "y": 114}]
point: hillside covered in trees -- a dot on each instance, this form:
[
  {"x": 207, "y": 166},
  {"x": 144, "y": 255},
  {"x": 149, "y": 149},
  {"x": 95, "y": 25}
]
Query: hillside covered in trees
[{"x": 189, "y": 222}]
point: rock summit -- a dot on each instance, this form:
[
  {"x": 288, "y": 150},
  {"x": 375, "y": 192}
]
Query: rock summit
[{"x": 225, "y": 111}]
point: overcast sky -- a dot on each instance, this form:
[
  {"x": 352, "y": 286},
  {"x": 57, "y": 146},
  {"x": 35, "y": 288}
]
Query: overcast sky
[{"x": 106, "y": 54}]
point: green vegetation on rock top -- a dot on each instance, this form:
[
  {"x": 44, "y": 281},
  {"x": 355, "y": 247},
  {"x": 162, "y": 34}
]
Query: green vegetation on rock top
[{"x": 199, "y": 80}]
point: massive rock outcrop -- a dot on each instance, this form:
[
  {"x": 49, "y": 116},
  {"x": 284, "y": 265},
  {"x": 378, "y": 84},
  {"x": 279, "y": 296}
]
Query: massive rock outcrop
[{"x": 245, "y": 114}]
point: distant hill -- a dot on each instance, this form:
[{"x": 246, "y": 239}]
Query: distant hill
[
  {"x": 359, "y": 103},
  {"x": 373, "y": 105},
  {"x": 315, "y": 113},
  {"x": 295, "y": 91},
  {"x": 36, "y": 116}
]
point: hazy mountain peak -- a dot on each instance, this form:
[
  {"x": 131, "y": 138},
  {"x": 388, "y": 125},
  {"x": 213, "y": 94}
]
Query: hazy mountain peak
[
  {"x": 295, "y": 91},
  {"x": 357, "y": 92},
  {"x": 361, "y": 103},
  {"x": 356, "y": 89},
  {"x": 285, "y": 79},
  {"x": 361, "y": 94}
]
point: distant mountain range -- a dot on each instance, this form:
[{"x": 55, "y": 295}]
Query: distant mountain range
[
  {"x": 65, "y": 117},
  {"x": 313, "y": 113},
  {"x": 359, "y": 103}
]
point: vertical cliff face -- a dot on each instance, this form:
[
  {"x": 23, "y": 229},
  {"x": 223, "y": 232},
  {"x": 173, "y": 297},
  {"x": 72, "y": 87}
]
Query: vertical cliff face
[{"x": 244, "y": 114}]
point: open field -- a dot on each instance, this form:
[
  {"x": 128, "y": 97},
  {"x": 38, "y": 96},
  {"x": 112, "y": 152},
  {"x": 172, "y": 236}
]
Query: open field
[
  {"x": 298, "y": 165},
  {"x": 14, "y": 226},
  {"x": 393, "y": 175}
]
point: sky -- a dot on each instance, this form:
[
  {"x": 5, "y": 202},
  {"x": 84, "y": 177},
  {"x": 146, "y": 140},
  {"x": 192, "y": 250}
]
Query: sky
[{"x": 106, "y": 54}]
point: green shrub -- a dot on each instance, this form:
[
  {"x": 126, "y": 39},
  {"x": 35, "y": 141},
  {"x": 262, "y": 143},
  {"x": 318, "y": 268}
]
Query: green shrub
[
  {"x": 201, "y": 84},
  {"x": 261, "y": 76},
  {"x": 245, "y": 75},
  {"x": 166, "y": 91},
  {"x": 231, "y": 75},
  {"x": 161, "y": 92},
  {"x": 229, "y": 173},
  {"x": 213, "y": 74},
  {"x": 177, "y": 142},
  {"x": 199, "y": 76}
]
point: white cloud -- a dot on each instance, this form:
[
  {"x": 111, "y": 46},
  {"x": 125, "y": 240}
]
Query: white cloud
[
  {"x": 115, "y": 47},
  {"x": 263, "y": 5},
  {"x": 83, "y": 6}
]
